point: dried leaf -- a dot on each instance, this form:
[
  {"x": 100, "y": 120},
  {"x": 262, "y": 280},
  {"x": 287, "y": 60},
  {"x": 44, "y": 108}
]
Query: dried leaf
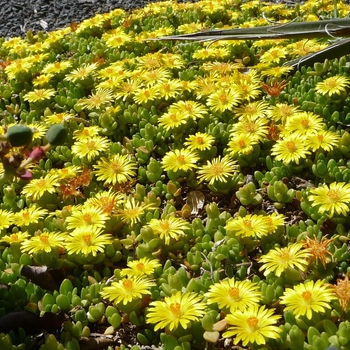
[
  {"x": 30, "y": 322},
  {"x": 196, "y": 200},
  {"x": 43, "y": 277},
  {"x": 211, "y": 337}
]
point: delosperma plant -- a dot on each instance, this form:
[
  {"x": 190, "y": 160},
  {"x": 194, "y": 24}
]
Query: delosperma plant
[{"x": 181, "y": 194}]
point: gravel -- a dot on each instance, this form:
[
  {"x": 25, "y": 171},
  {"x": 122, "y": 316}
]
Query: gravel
[{"x": 19, "y": 16}]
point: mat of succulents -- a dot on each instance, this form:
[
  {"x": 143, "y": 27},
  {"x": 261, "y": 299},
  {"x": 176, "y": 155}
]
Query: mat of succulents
[{"x": 176, "y": 194}]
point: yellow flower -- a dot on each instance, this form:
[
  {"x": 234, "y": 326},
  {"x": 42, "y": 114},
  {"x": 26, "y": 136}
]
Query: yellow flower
[
  {"x": 308, "y": 297},
  {"x": 116, "y": 169},
  {"x": 217, "y": 170},
  {"x": 168, "y": 88},
  {"x": 303, "y": 123},
  {"x": 94, "y": 22},
  {"x": 273, "y": 221},
  {"x": 170, "y": 227},
  {"x": 252, "y": 110},
  {"x": 91, "y": 147},
  {"x": 242, "y": 144},
  {"x": 190, "y": 109},
  {"x": 39, "y": 130},
  {"x": 180, "y": 159},
  {"x": 36, "y": 188},
  {"x": 29, "y": 216},
  {"x": 222, "y": 68},
  {"x": 333, "y": 85},
  {"x": 277, "y": 72},
  {"x": 64, "y": 173},
  {"x": 116, "y": 38},
  {"x": 249, "y": 225},
  {"x": 127, "y": 290},
  {"x": 87, "y": 217},
  {"x": 146, "y": 94},
  {"x": 87, "y": 240},
  {"x": 326, "y": 140},
  {"x": 15, "y": 238},
  {"x": 234, "y": 295},
  {"x": 283, "y": 112},
  {"x": 46, "y": 241},
  {"x": 188, "y": 28},
  {"x": 155, "y": 76},
  {"x": 82, "y": 73},
  {"x": 172, "y": 120},
  {"x": 332, "y": 199},
  {"x": 126, "y": 88},
  {"x": 211, "y": 52},
  {"x": 258, "y": 128},
  {"x": 143, "y": 267},
  {"x": 6, "y": 219},
  {"x": 39, "y": 95},
  {"x": 107, "y": 201},
  {"x": 173, "y": 61},
  {"x": 57, "y": 118},
  {"x": 42, "y": 80},
  {"x": 87, "y": 132},
  {"x": 290, "y": 149},
  {"x": 132, "y": 211},
  {"x": 254, "y": 325},
  {"x": 279, "y": 259},
  {"x": 96, "y": 100},
  {"x": 15, "y": 67},
  {"x": 274, "y": 55},
  {"x": 57, "y": 67},
  {"x": 178, "y": 309},
  {"x": 199, "y": 141},
  {"x": 223, "y": 100}
]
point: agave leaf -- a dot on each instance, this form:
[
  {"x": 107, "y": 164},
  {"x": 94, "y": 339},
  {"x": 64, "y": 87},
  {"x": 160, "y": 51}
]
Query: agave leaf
[
  {"x": 336, "y": 27},
  {"x": 339, "y": 49}
]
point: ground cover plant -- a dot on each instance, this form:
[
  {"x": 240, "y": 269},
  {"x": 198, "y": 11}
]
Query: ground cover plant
[{"x": 174, "y": 194}]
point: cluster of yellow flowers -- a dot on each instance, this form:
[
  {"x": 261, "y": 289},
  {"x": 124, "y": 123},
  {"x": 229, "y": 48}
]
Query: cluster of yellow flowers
[{"x": 155, "y": 130}]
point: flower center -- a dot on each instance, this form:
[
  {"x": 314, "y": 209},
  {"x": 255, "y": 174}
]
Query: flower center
[
  {"x": 90, "y": 145},
  {"x": 200, "y": 140},
  {"x": 253, "y": 323},
  {"x": 14, "y": 237},
  {"x": 87, "y": 218},
  {"x": 320, "y": 138},
  {"x": 140, "y": 266},
  {"x": 247, "y": 223},
  {"x": 217, "y": 169},
  {"x": 233, "y": 292},
  {"x": 44, "y": 239},
  {"x": 175, "y": 308},
  {"x": 128, "y": 285},
  {"x": 332, "y": 83},
  {"x": 106, "y": 204},
  {"x": 291, "y": 146},
  {"x": 249, "y": 127},
  {"x": 241, "y": 143},
  {"x": 87, "y": 239},
  {"x": 116, "y": 168},
  {"x": 306, "y": 295},
  {"x": 181, "y": 159},
  {"x": 223, "y": 98},
  {"x": 164, "y": 225},
  {"x": 284, "y": 254},
  {"x": 333, "y": 195},
  {"x": 305, "y": 123}
]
